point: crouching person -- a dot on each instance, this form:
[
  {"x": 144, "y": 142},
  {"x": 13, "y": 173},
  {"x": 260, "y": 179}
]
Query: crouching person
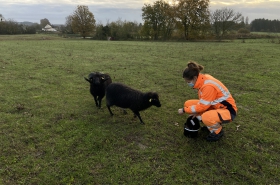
[{"x": 215, "y": 105}]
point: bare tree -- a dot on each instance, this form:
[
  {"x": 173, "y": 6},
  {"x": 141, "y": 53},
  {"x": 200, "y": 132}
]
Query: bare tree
[
  {"x": 68, "y": 24},
  {"x": 247, "y": 20},
  {"x": 12, "y": 27},
  {"x": 223, "y": 20}
]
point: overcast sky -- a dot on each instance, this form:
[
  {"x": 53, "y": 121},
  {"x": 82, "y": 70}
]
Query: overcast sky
[{"x": 111, "y": 10}]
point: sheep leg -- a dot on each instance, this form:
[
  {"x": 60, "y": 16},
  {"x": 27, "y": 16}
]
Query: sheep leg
[
  {"x": 99, "y": 101},
  {"x": 95, "y": 99},
  {"x": 138, "y": 115},
  {"x": 110, "y": 110}
]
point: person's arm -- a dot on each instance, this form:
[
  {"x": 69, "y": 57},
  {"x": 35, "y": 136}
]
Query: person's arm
[{"x": 208, "y": 94}]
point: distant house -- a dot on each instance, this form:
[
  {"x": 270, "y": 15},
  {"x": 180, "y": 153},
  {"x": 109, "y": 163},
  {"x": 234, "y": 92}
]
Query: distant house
[{"x": 48, "y": 28}]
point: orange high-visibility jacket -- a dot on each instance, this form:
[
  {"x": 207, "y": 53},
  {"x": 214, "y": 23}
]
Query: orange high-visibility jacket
[{"x": 212, "y": 95}]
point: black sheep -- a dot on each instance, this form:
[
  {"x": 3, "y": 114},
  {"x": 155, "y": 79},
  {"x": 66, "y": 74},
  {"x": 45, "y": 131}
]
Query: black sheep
[
  {"x": 98, "y": 84},
  {"x": 123, "y": 96}
]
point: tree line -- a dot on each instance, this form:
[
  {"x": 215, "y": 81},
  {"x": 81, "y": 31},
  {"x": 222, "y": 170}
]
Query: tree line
[
  {"x": 265, "y": 25},
  {"x": 11, "y": 27},
  {"x": 181, "y": 19}
]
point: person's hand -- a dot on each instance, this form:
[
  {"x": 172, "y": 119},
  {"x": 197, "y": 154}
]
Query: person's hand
[{"x": 180, "y": 111}]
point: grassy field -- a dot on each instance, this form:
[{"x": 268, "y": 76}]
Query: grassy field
[{"x": 52, "y": 133}]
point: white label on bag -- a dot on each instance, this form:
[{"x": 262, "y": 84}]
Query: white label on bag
[{"x": 192, "y": 122}]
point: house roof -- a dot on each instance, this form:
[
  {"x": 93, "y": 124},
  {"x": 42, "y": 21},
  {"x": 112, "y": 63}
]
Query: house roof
[{"x": 48, "y": 26}]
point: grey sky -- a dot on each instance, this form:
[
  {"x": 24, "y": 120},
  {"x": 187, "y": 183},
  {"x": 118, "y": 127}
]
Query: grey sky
[{"x": 111, "y": 10}]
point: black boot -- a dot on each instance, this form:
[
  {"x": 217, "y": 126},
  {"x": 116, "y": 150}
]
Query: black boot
[
  {"x": 204, "y": 128},
  {"x": 215, "y": 137}
]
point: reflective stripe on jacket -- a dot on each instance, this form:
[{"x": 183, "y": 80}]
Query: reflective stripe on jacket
[{"x": 212, "y": 95}]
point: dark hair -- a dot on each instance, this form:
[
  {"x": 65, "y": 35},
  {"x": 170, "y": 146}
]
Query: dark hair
[{"x": 192, "y": 70}]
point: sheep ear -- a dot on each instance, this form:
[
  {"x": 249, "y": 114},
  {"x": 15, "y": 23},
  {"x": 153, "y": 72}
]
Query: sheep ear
[{"x": 150, "y": 100}]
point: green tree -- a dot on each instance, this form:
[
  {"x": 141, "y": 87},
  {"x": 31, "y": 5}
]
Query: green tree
[
  {"x": 29, "y": 29},
  {"x": 10, "y": 27},
  {"x": 102, "y": 32},
  {"x": 157, "y": 20},
  {"x": 168, "y": 25},
  {"x": 115, "y": 29},
  {"x": 128, "y": 30},
  {"x": 145, "y": 31},
  {"x": 83, "y": 21},
  {"x": 265, "y": 25},
  {"x": 192, "y": 17}
]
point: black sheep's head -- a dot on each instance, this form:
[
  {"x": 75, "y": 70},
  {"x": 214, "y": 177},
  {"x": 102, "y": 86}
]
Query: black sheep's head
[
  {"x": 153, "y": 99},
  {"x": 96, "y": 78}
]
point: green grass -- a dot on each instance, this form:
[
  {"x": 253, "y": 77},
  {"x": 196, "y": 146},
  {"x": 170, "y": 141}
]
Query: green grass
[
  {"x": 52, "y": 133},
  {"x": 266, "y": 33}
]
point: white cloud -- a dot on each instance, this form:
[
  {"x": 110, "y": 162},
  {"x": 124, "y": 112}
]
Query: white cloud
[
  {"x": 246, "y": 3},
  {"x": 107, "y": 3},
  {"x": 253, "y": 9}
]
